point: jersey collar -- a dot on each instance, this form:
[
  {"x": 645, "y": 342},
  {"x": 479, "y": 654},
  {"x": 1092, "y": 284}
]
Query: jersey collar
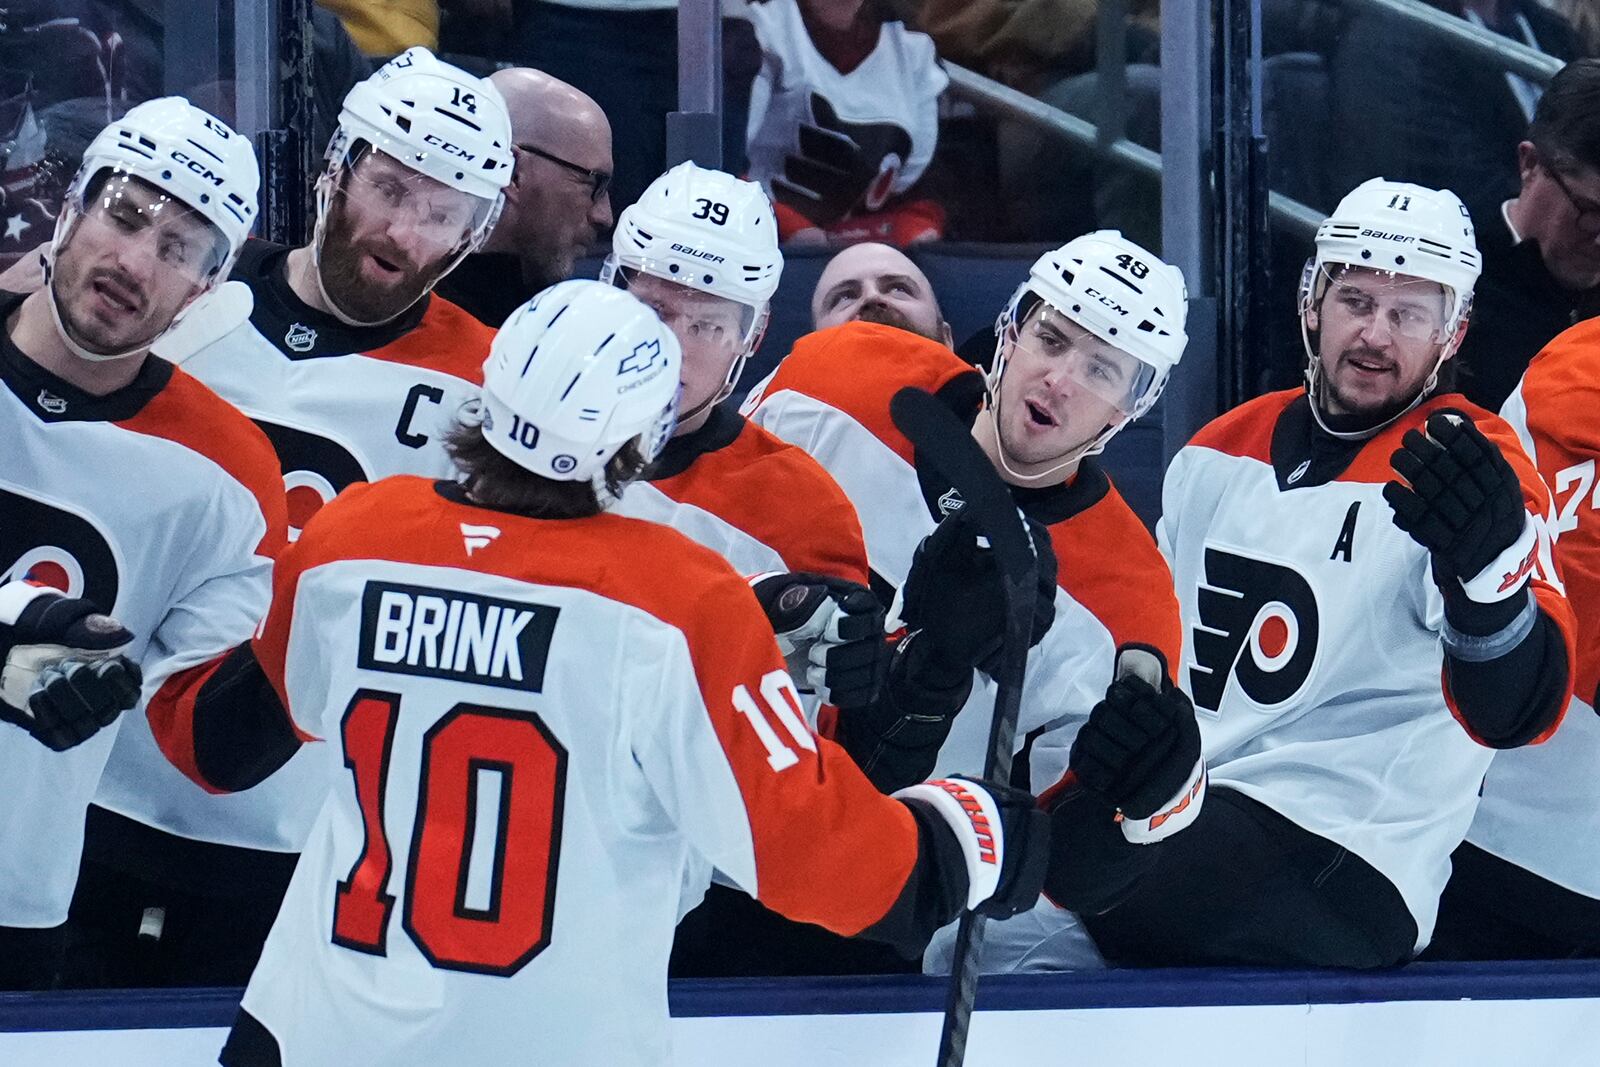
[
  {"x": 719, "y": 431},
  {"x": 50, "y": 398},
  {"x": 297, "y": 329}
]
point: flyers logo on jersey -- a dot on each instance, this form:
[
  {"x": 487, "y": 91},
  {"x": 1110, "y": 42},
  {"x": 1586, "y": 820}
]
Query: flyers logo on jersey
[
  {"x": 1258, "y": 624},
  {"x": 439, "y": 633},
  {"x": 58, "y": 548}
]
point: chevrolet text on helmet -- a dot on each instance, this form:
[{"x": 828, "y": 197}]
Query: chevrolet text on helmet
[
  {"x": 191, "y": 156},
  {"x": 1117, "y": 291},
  {"x": 709, "y": 231},
  {"x": 435, "y": 119},
  {"x": 574, "y": 375},
  {"x": 1402, "y": 229}
]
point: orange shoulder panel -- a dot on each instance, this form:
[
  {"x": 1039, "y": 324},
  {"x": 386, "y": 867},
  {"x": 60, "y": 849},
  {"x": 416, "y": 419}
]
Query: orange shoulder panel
[
  {"x": 447, "y": 339},
  {"x": 859, "y": 366},
  {"x": 190, "y": 414},
  {"x": 810, "y": 823},
  {"x": 1108, "y": 562},
  {"x": 1246, "y": 431},
  {"x": 779, "y": 495}
]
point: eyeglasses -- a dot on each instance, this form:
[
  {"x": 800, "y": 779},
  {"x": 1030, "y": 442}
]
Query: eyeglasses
[
  {"x": 599, "y": 181},
  {"x": 1588, "y": 219}
]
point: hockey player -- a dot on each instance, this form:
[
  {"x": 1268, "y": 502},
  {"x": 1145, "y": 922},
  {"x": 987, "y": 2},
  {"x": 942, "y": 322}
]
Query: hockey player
[
  {"x": 555, "y": 731},
  {"x": 1084, "y": 346},
  {"x": 700, "y": 248},
  {"x": 125, "y": 485},
  {"x": 354, "y": 372},
  {"x": 1525, "y": 884},
  {"x": 1369, "y": 611}
]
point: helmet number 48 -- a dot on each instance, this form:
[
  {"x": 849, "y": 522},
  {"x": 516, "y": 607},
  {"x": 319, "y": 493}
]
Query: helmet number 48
[{"x": 1135, "y": 267}]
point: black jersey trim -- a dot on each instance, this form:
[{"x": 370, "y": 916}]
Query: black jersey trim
[
  {"x": 53, "y": 399},
  {"x": 279, "y": 313},
  {"x": 1305, "y": 455},
  {"x": 720, "y": 431}
]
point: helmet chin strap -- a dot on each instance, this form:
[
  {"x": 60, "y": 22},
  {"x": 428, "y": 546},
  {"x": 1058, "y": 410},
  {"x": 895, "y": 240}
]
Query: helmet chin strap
[
  {"x": 1317, "y": 387},
  {"x": 48, "y": 260},
  {"x": 320, "y": 232}
]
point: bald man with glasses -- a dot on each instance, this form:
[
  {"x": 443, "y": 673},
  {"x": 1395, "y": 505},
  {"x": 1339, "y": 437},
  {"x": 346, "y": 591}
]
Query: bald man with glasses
[{"x": 558, "y": 203}]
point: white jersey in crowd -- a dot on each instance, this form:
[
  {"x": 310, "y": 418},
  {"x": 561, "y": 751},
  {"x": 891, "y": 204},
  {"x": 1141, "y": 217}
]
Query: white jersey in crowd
[
  {"x": 541, "y": 736},
  {"x": 1540, "y": 808},
  {"x": 854, "y": 139},
  {"x": 1312, "y": 636},
  {"x": 160, "y": 504},
  {"x": 340, "y": 405}
]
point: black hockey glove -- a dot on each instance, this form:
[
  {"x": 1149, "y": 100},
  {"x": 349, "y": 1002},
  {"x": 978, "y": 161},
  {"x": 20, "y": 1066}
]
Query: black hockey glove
[
  {"x": 1140, "y": 749},
  {"x": 954, "y": 603},
  {"x": 1462, "y": 502},
  {"x": 1006, "y": 872},
  {"x": 831, "y": 633},
  {"x": 63, "y": 679}
]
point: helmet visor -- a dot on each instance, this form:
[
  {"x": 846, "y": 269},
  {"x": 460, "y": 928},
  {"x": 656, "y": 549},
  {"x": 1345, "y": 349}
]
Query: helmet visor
[
  {"x": 414, "y": 209},
  {"x": 129, "y": 210},
  {"x": 1414, "y": 308},
  {"x": 705, "y": 324},
  {"x": 1105, "y": 371}
]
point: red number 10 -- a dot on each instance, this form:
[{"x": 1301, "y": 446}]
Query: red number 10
[{"x": 501, "y": 937}]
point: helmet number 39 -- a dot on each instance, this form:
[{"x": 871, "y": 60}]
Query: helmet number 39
[{"x": 710, "y": 209}]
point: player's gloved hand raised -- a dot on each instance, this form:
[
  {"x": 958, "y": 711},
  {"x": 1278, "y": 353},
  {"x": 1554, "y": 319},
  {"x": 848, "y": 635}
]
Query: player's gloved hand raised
[
  {"x": 1461, "y": 501},
  {"x": 63, "y": 678},
  {"x": 1004, "y": 839},
  {"x": 1140, "y": 749},
  {"x": 953, "y": 600},
  {"x": 831, "y": 633}
]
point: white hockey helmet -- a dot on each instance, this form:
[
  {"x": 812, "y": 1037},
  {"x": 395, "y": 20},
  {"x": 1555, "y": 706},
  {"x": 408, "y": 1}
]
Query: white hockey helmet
[
  {"x": 1119, "y": 292},
  {"x": 1398, "y": 228},
  {"x": 1402, "y": 229},
  {"x": 709, "y": 231},
  {"x": 185, "y": 154},
  {"x": 575, "y": 374}
]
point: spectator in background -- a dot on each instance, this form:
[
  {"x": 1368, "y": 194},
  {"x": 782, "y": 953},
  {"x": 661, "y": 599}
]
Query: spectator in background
[
  {"x": 1414, "y": 107},
  {"x": 558, "y": 202},
  {"x": 1028, "y": 44},
  {"x": 873, "y": 282},
  {"x": 1541, "y": 249},
  {"x": 1585, "y": 18},
  {"x": 385, "y": 27},
  {"x": 844, "y": 119}
]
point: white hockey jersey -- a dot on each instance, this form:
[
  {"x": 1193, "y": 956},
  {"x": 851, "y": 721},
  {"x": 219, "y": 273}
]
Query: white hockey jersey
[
  {"x": 161, "y": 504},
  {"x": 1311, "y": 636},
  {"x": 340, "y": 405},
  {"x": 1541, "y": 806},
  {"x": 831, "y": 397},
  {"x": 539, "y": 735},
  {"x": 828, "y": 144}
]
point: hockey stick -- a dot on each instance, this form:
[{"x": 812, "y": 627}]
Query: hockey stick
[
  {"x": 213, "y": 316},
  {"x": 945, "y": 444}
]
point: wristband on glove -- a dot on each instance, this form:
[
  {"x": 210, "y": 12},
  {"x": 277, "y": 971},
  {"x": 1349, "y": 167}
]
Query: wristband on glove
[
  {"x": 974, "y": 817},
  {"x": 1178, "y": 813},
  {"x": 1507, "y": 572}
]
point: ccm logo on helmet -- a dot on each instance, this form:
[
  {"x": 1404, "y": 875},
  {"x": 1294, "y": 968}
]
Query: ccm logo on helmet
[
  {"x": 196, "y": 166},
  {"x": 447, "y": 148},
  {"x": 709, "y": 257},
  {"x": 1107, "y": 301},
  {"x": 1379, "y": 235}
]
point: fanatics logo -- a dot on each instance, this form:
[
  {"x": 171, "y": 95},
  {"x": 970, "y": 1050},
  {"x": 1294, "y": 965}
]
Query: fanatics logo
[
  {"x": 300, "y": 337},
  {"x": 476, "y": 537},
  {"x": 48, "y": 401}
]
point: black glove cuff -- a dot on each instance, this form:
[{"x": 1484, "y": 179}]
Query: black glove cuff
[{"x": 1475, "y": 618}]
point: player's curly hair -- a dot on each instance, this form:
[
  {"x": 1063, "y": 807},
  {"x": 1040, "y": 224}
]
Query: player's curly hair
[{"x": 494, "y": 480}]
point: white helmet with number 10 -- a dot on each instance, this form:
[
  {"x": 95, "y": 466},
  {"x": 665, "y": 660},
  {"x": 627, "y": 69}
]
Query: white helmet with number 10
[{"x": 574, "y": 375}]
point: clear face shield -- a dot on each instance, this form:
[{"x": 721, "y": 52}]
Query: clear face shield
[
  {"x": 1100, "y": 369},
  {"x": 1380, "y": 340},
  {"x": 386, "y": 234},
  {"x": 126, "y": 261},
  {"x": 716, "y": 332}
]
